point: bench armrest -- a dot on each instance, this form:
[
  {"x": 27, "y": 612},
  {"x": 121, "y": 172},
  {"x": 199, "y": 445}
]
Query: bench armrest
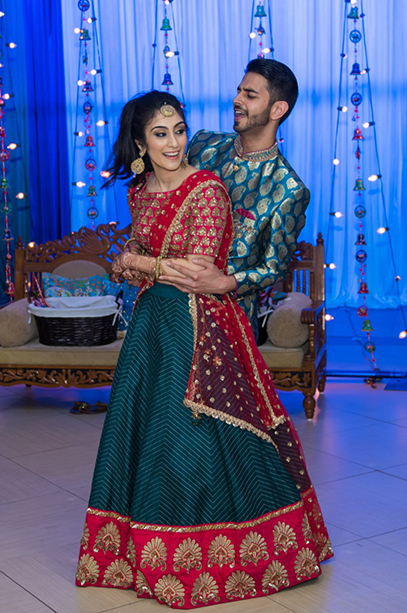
[
  {"x": 313, "y": 316},
  {"x": 310, "y": 314}
]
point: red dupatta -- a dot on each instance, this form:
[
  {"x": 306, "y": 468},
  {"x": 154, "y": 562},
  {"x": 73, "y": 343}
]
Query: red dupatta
[{"x": 229, "y": 379}]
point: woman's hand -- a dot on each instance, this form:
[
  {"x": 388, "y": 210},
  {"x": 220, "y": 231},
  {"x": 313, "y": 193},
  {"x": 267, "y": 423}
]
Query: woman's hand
[
  {"x": 134, "y": 268},
  {"x": 134, "y": 277},
  {"x": 121, "y": 270},
  {"x": 123, "y": 261}
]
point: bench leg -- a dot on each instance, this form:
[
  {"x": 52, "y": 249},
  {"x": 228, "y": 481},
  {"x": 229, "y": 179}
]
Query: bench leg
[
  {"x": 321, "y": 384},
  {"x": 309, "y": 405}
]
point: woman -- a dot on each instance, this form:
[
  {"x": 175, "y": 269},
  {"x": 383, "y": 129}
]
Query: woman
[{"x": 200, "y": 493}]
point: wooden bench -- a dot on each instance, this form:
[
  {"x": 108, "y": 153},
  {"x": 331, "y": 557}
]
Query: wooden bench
[
  {"x": 78, "y": 255},
  {"x": 89, "y": 252},
  {"x": 303, "y": 368}
]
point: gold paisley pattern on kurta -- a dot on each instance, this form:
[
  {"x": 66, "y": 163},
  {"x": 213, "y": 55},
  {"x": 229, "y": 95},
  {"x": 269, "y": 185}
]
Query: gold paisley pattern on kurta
[
  {"x": 253, "y": 548},
  {"x": 275, "y": 577},
  {"x": 263, "y": 183},
  {"x": 239, "y": 585},
  {"x": 108, "y": 539},
  {"x": 170, "y": 590},
  {"x": 188, "y": 555},
  {"x": 87, "y": 570},
  {"x": 154, "y": 554},
  {"x": 204, "y": 589}
]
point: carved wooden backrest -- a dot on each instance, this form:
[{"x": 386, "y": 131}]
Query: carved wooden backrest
[
  {"x": 99, "y": 246},
  {"x": 306, "y": 270}
]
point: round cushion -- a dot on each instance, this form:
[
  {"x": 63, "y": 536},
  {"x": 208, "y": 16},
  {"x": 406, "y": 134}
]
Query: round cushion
[
  {"x": 15, "y": 326},
  {"x": 284, "y": 327}
]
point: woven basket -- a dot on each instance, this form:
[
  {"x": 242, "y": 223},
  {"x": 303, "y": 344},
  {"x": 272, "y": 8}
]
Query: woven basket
[{"x": 76, "y": 330}]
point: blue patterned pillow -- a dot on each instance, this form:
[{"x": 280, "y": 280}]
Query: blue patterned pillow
[
  {"x": 129, "y": 297},
  {"x": 99, "y": 285},
  {"x": 56, "y": 286}
]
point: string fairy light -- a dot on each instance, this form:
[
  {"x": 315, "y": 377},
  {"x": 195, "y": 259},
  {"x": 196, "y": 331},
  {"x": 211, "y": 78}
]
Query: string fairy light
[
  {"x": 168, "y": 25},
  {"x": 6, "y": 207},
  {"x": 259, "y": 32},
  {"x": 88, "y": 84},
  {"x": 353, "y": 26}
]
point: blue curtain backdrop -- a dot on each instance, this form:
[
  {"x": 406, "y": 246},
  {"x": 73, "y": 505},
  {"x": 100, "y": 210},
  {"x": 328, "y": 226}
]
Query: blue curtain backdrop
[
  {"x": 46, "y": 108},
  {"x": 16, "y": 127},
  {"x": 35, "y": 119},
  {"x": 213, "y": 43}
]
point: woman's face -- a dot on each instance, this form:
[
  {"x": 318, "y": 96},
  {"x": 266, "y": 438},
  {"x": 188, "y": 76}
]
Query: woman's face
[{"x": 166, "y": 140}]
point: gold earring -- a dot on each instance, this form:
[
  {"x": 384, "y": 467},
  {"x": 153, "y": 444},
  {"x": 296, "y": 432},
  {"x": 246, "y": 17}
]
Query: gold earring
[
  {"x": 185, "y": 162},
  {"x": 138, "y": 166}
]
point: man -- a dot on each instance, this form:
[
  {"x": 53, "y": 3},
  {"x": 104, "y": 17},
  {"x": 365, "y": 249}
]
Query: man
[{"x": 268, "y": 198}]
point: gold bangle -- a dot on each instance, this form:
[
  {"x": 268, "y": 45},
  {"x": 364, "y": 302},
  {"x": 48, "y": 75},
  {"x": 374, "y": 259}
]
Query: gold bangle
[
  {"x": 158, "y": 266},
  {"x": 140, "y": 250},
  {"x": 129, "y": 240}
]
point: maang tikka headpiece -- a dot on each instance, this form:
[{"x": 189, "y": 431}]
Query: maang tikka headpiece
[{"x": 167, "y": 110}]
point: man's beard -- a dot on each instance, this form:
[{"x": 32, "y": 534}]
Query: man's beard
[{"x": 256, "y": 121}]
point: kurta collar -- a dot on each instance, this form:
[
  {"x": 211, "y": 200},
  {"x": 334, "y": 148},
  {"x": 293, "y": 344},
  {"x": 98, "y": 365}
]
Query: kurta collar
[{"x": 255, "y": 156}]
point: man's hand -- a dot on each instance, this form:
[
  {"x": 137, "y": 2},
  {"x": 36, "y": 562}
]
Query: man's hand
[{"x": 210, "y": 280}]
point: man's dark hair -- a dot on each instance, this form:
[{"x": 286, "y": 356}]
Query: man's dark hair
[{"x": 281, "y": 81}]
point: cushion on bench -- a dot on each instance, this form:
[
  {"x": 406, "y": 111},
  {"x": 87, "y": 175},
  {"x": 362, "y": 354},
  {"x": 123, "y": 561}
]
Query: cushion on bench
[
  {"x": 281, "y": 357},
  {"x": 15, "y": 325},
  {"x": 35, "y": 354}
]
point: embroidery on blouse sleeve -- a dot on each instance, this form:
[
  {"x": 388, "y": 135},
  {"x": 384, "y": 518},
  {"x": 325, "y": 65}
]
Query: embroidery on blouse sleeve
[
  {"x": 209, "y": 215},
  {"x": 199, "y": 223}
]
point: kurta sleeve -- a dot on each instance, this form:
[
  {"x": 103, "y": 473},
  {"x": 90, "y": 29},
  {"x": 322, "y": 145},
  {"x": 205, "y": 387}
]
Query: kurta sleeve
[
  {"x": 279, "y": 241},
  {"x": 198, "y": 153}
]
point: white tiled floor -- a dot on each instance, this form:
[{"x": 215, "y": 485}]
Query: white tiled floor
[{"x": 356, "y": 449}]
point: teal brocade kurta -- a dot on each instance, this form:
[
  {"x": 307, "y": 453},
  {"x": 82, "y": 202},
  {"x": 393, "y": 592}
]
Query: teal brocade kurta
[{"x": 268, "y": 204}]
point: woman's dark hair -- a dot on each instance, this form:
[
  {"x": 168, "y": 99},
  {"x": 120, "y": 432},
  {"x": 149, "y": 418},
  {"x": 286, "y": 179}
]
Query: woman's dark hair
[
  {"x": 282, "y": 83},
  {"x": 136, "y": 114}
]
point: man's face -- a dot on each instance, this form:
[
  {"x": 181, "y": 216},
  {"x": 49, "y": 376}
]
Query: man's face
[{"x": 252, "y": 104}]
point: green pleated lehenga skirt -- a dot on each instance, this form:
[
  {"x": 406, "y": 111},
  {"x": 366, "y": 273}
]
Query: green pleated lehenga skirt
[
  {"x": 189, "y": 511},
  {"x": 156, "y": 463}
]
